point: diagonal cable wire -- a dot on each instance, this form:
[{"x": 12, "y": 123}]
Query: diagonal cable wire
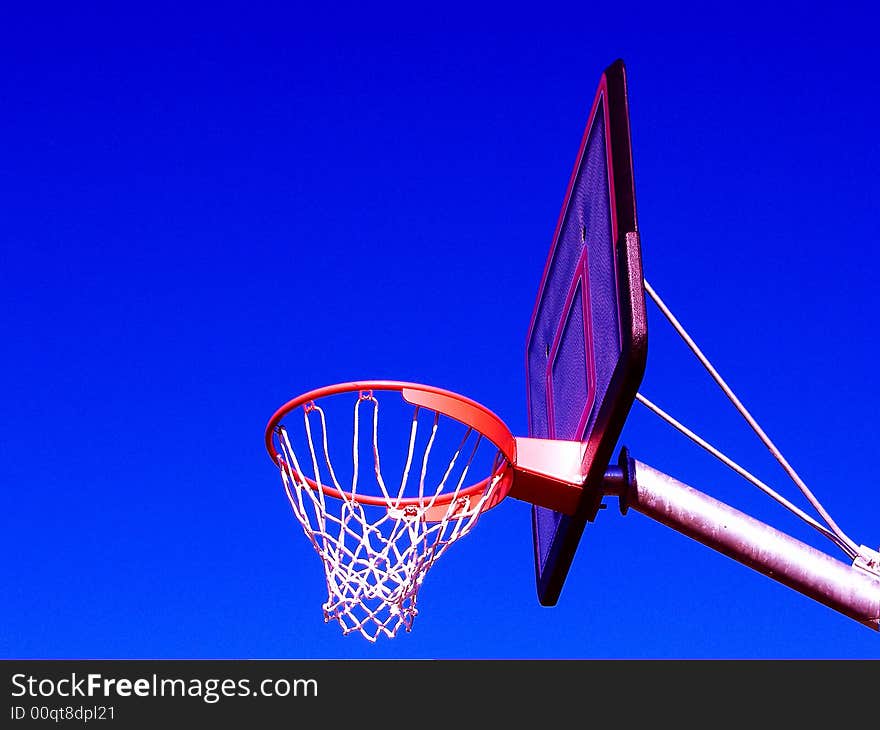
[
  {"x": 853, "y": 549},
  {"x": 745, "y": 474}
]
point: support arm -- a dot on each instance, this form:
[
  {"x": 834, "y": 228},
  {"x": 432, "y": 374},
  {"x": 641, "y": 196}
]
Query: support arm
[{"x": 851, "y": 590}]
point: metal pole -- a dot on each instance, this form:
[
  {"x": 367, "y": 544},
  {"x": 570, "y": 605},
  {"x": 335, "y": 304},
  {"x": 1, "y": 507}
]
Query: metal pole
[{"x": 850, "y": 590}]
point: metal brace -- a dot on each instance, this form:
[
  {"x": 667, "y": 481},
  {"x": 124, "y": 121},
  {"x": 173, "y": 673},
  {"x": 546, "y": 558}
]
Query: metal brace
[{"x": 868, "y": 560}]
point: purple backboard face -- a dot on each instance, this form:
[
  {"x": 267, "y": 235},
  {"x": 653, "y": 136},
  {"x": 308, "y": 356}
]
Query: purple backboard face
[{"x": 587, "y": 341}]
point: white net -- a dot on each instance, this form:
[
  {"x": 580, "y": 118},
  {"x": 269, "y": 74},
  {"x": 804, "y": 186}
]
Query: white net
[{"x": 376, "y": 543}]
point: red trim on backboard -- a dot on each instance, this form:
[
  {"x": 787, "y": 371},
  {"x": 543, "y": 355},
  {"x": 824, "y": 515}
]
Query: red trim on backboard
[
  {"x": 582, "y": 281},
  {"x": 601, "y": 97}
]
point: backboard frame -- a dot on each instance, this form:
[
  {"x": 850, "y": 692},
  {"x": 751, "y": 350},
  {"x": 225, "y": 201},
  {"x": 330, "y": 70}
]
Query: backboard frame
[{"x": 556, "y": 536}]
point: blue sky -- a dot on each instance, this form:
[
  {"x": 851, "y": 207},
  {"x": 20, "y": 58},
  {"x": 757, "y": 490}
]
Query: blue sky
[{"x": 207, "y": 213}]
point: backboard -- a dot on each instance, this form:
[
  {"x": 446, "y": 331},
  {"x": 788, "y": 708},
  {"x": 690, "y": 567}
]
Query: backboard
[{"x": 587, "y": 340}]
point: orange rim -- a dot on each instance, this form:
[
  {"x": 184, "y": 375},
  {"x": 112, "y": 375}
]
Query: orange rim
[{"x": 455, "y": 406}]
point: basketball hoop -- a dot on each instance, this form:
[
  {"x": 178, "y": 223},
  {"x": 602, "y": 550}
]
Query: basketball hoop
[
  {"x": 379, "y": 530},
  {"x": 376, "y": 537}
]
